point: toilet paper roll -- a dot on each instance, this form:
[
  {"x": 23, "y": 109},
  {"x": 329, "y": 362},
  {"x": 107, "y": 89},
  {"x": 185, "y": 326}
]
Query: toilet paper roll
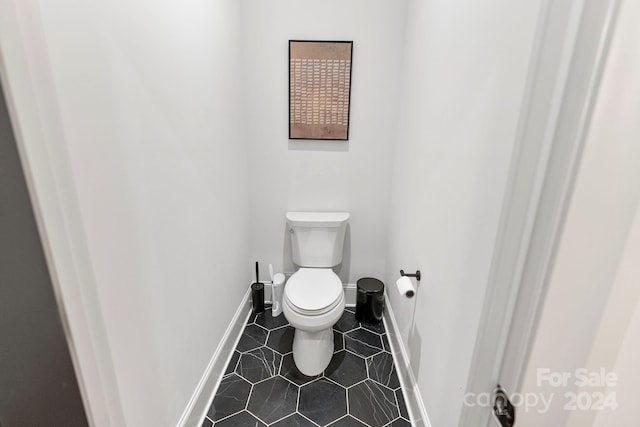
[{"x": 405, "y": 287}]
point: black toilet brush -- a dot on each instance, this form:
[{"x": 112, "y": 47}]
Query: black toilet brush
[{"x": 257, "y": 293}]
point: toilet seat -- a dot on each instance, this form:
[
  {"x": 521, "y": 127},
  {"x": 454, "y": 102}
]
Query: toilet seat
[
  {"x": 313, "y": 312},
  {"x": 313, "y": 291}
]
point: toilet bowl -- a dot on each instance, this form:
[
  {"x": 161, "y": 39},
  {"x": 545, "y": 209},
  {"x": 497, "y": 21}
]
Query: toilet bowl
[{"x": 313, "y": 301}]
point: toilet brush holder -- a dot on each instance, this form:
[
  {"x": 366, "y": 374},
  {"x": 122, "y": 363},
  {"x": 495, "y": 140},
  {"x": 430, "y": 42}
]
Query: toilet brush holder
[
  {"x": 277, "y": 287},
  {"x": 257, "y": 297},
  {"x": 257, "y": 293}
]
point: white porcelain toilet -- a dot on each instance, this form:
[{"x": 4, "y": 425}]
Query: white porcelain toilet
[{"x": 313, "y": 299}]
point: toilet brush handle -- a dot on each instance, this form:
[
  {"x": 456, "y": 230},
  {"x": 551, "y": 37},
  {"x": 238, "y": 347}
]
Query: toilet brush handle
[{"x": 257, "y": 276}]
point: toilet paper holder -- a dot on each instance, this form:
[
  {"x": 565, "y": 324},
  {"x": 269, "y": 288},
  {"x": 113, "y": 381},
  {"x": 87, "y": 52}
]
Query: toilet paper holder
[{"x": 417, "y": 275}]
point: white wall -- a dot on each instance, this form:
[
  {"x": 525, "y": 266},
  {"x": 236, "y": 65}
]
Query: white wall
[
  {"x": 464, "y": 72},
  {"x": 351, "y": 176},
  {"x": 151, "y": 117},
  {"x": 627, "y": 370},
  {"x": 593, "y": 289},
  {"x": 616, "y": 347}
]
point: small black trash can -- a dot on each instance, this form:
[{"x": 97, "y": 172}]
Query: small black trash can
[{"x": 369, "y": 300}]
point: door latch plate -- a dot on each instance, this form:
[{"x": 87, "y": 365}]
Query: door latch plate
[{"x": 503, "y": 409}]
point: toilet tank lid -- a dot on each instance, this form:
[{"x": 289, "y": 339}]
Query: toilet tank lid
[{"x": 317, "y": 219}]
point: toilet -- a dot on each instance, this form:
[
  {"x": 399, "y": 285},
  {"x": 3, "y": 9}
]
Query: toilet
[{"x": 313, "y": 299}]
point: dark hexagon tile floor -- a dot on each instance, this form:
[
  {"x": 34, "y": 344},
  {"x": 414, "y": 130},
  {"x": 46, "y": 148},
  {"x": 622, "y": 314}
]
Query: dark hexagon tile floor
[
  {"x": 363, "y": 342},
  {"x": 262, "y": 386},
  {"x": 373, "y": 403},
  {"x": 273, "y": 399},
  {"x": 259, "y": 364},
  {"x": 240, "y": 419},
  {"x": 231, "y": 397},
  {"x": 322, "y": 401}
]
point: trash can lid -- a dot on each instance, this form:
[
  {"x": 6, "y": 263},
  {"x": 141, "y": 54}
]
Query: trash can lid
[{"x": 370, "y": 285}]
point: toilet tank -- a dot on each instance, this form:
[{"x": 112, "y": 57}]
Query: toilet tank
[{"x": 317, "y": 238}]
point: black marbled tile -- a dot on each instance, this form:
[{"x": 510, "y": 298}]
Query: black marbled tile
[
  {"x": 347, "y": 421},
  {"x": 252, "y": 337},
  {"x": 402, "y": 406},
  {"x": 273, "y": 399},
  {"x": 259, "y": 364},
  {"x": 254, "y": 315},
  {"x": 243, "y": 419},
  {"x": 400, "y": 423},
  {"x": 231, "y": 367},
  {"x": 346, "y": 322},
  {"x": 267, "y": 320},
  {"x": 230, "y": 398},
  {"x": 363, "y": 342},
  {"x": 322, "y": 401},
  {"x": 385, "y": 343},
  {"x": 361, "y": 362},
  {"x": 346, "y": 368},
  {"x": 372, "y": 403},
  {"x": 281, "y": 340},
  {"x": 378, "y": 328},
  {"x": 338, "y": 341},
  {"x": 291, "y": 372},
  {"x": 295, "y": 420},
  {"x": 382, "y": 370}
]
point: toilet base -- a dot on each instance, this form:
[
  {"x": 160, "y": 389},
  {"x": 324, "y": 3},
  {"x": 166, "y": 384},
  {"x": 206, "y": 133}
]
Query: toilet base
[{"x": 312, "y": 351}]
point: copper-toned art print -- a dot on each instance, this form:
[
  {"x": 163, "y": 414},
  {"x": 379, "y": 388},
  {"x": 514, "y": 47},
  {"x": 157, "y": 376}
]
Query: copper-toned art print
[{"x": 319, "y": 89}]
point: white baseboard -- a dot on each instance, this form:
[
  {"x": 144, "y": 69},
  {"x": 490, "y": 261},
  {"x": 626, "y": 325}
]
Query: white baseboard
[
  {"x": 350, "y": 294},
  {"x": 202, "y": 397},
  {"x": 413, "y": 399}
]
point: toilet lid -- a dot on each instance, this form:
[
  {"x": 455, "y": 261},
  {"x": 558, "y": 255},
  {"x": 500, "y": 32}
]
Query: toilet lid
[{"x": 313, "y": 289}]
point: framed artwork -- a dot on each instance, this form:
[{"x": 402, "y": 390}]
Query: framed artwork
[{"x": 319, "y": 89}]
